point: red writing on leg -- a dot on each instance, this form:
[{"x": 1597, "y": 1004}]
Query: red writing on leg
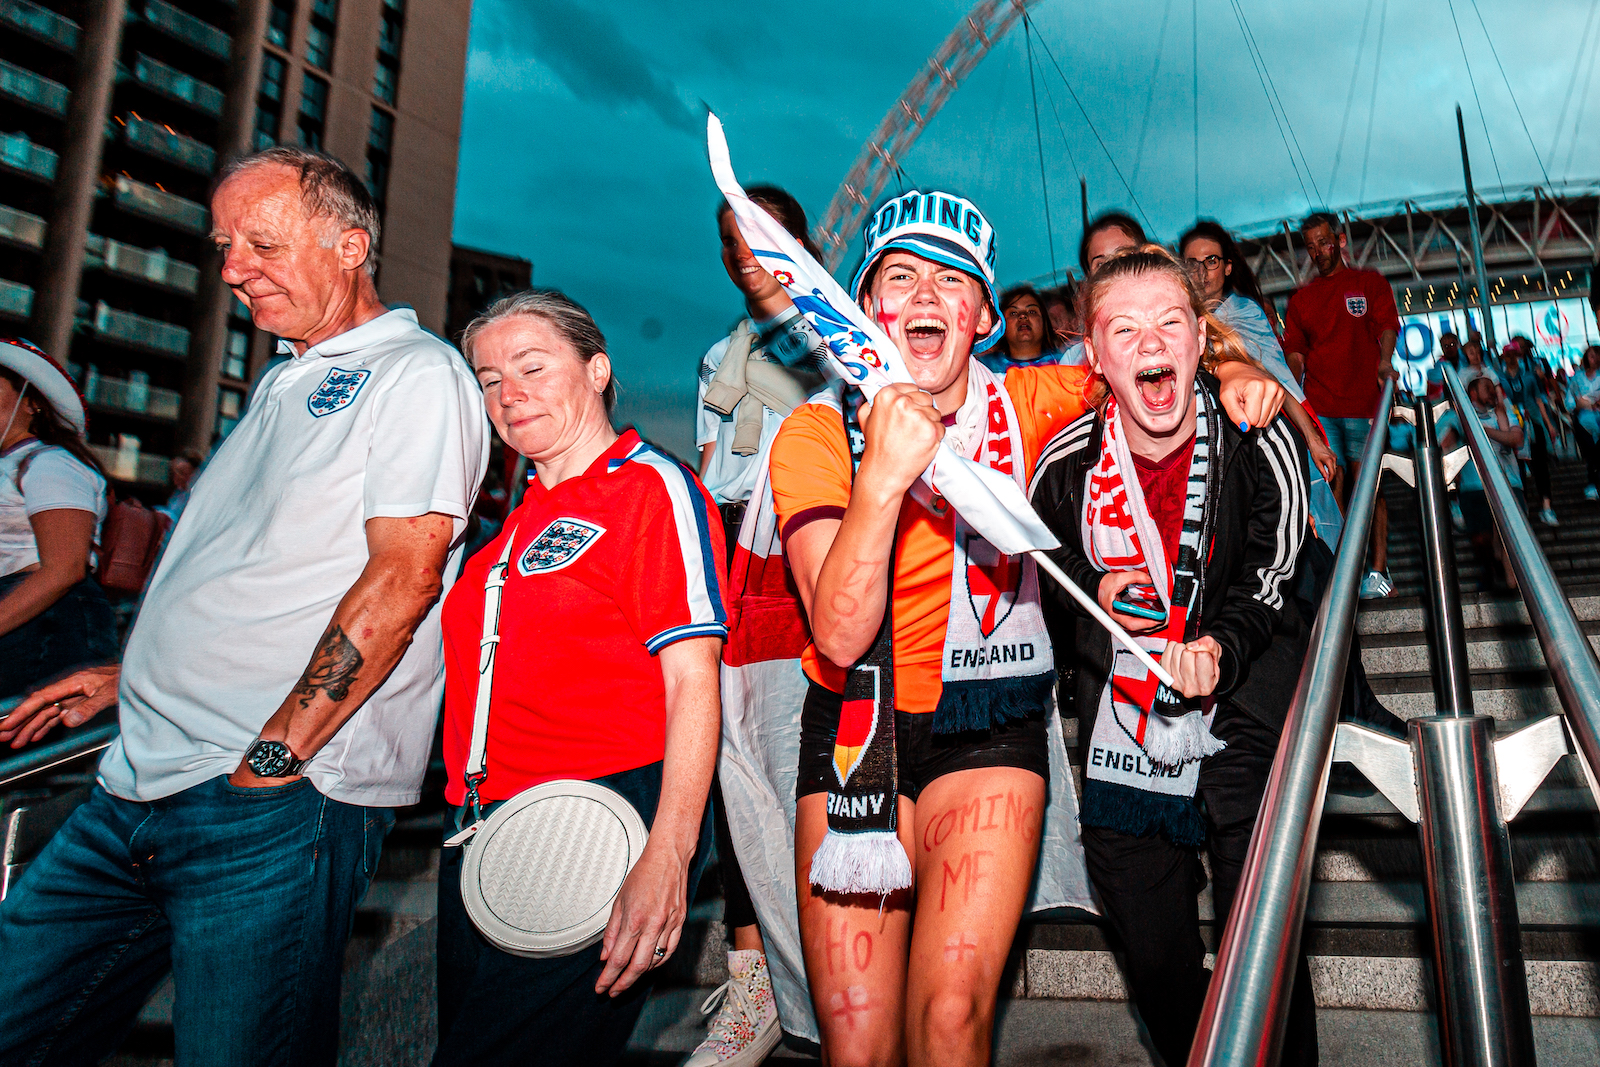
[
  {"x": 962, "y": 946},
  {"x": 849, "y": 1004},
  {"x": 1014, "y": 816},
  {"x": 861, "y": 950},
  {"x": 965, "y": 876}
]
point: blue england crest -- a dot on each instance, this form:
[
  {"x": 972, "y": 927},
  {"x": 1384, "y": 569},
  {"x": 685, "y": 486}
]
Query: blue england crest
[
  {"x": 563, "y": 541},
  {"x": 338, "y": 390}
]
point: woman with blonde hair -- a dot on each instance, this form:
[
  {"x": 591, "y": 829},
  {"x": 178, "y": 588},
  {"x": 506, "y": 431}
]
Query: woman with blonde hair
[{"x": 1189, "y": 530}]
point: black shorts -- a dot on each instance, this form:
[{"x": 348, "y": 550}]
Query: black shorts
[
  {"x": 921, "y": 756},
  {"x": 1475, "y": 511}
]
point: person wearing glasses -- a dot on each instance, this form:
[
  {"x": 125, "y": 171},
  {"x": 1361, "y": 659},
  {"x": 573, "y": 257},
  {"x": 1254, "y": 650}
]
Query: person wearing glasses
[{"x": 1233, "y": 295}]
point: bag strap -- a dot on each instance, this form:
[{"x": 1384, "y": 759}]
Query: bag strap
[{"x": 492, "y": 589}]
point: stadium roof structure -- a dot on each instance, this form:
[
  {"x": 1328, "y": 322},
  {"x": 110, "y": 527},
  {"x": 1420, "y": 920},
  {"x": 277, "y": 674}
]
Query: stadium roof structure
[{"x": 1539, "y": 243}]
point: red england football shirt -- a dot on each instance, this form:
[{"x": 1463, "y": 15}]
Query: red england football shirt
[
  {"x": 1335, "y": 322},
  {"x": 607, "y": 569}
]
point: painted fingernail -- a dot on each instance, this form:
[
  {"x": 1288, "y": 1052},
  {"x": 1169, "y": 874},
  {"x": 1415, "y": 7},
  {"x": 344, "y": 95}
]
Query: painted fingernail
[{"x": 1245, "y": 426}]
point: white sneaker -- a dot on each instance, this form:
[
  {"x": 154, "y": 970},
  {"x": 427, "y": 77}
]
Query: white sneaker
[
  {"x": 1591, "y": 493},
  {"x": 1548, "y": 517},
  {"x": 1376, "y": 585},
  {"x": 746, "y": 1028}
]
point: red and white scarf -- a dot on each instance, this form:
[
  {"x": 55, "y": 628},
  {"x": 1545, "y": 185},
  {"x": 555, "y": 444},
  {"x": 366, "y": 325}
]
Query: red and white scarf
[{"x": 1145, "y": 735}]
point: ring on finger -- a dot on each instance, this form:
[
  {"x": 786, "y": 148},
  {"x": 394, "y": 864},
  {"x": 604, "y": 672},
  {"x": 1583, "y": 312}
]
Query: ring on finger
[{"x": 660, "y": 954}]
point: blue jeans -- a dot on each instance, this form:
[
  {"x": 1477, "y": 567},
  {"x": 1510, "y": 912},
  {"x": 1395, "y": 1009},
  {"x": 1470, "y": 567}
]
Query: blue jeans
[
  {"x": 500, "y": 1010},
  {"x": 246, "y": 895},
  {"x": 1346, "y": 438}
]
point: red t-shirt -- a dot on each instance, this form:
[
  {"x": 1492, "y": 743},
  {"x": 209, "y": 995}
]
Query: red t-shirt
[
  {"x": 607, "y": 569},
  {"x": 1165, "y": 484},
  {"x": 1335, "y": 322}
]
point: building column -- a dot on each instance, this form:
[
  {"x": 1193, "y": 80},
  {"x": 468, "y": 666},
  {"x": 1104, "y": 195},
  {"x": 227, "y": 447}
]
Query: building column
[
  {"x": 208, "y": 334},
  {"x": 55, "y": 298}
]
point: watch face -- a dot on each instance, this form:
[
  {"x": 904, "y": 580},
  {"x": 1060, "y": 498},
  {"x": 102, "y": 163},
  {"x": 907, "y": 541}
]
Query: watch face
[{"x": 270, "y": 759}]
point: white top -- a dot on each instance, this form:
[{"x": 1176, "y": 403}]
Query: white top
[
  {"x": 1254, "y": 329},
  {"x": 383, "y": 421},
  {"x": 730, "y": 478},
  {"x": 55, "y": 480}
]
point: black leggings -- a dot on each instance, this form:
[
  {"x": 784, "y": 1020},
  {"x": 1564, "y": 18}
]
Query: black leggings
[
  {"x": 1150, "y": 891},
  {"x": 1539, "y": 450}
]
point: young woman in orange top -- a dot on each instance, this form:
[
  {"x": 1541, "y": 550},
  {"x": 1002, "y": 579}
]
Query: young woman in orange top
[{"x": 913, "y": 976}]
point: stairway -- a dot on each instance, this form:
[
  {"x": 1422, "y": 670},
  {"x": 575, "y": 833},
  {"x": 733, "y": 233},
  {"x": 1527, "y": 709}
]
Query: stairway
[{"x": 1366, "y": 930}]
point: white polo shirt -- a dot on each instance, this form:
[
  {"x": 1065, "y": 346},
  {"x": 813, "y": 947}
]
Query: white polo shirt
[{"x": 383, "y": 421}]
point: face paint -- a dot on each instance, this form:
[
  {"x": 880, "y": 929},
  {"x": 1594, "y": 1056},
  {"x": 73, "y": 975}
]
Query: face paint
[{"x": 888, "y": 314}]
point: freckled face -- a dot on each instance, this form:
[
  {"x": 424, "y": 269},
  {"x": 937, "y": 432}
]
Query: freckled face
[
  {"x": 933, "y": 313},
  {"x": 1146, "y": 340}
]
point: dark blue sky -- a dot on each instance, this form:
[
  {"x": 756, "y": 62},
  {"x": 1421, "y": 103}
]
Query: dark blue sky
[{"x": 583, "y": 145}]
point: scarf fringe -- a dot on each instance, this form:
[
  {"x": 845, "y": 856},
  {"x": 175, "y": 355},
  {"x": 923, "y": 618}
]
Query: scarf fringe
[
  {"x": 873, "y": 862},
  {"x": 989, "y": 703},
  {"x": 1140, "y": 813},
  {"x": 1184, "y": 741}
]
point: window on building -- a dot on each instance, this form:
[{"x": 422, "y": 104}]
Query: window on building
[
  {"x": 386, "y": 74},
  {"x": 269, "y": 100},
  {"x": 280, "y": 23},
  {"x": 236, "y": 360},
  {"x": 313, "y": 111},
  {"x": 319, "y": 34},
  {"x": 380, "y": 147}
]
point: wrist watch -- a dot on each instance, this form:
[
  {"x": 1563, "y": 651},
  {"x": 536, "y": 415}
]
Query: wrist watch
[{"x": 272, "y": 759}]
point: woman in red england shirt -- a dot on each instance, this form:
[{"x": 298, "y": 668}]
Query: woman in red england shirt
[{"x": 611, "y": 624}]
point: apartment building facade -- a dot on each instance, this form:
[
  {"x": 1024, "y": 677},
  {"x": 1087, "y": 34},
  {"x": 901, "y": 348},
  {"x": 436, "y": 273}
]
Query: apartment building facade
[{"x": 115, "y": 116}]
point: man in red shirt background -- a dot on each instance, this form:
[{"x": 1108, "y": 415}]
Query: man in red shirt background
[{"x": 1339, "y": 339}]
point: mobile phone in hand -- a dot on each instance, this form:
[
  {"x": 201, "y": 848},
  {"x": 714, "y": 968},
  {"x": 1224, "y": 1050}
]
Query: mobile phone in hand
[{"x": 1141, "y": 602}]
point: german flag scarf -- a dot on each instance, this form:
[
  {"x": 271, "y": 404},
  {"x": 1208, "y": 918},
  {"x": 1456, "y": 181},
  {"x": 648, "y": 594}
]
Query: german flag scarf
[{"x": 1147, "y": 742}]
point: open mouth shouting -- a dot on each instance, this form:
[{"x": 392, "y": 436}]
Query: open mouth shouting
[
  {"x": 1158, "y": 388},
  {"x": 925, "y": 334}
]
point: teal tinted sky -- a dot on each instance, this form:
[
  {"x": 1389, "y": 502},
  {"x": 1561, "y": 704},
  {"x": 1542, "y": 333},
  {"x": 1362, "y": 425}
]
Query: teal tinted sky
[{"x": 583, "y": 144}]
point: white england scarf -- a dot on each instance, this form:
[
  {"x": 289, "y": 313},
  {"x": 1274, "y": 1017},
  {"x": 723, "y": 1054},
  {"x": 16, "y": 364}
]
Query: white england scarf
[
  {"x": 1134, "y": 744},
  {"x": 997, "y": 663}
]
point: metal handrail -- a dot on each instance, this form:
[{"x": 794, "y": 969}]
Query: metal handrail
[
  {"x": 1247, "y": 1003},
  {"x": 1567, "y": 652},
  {"x": 37, "y": 759}
]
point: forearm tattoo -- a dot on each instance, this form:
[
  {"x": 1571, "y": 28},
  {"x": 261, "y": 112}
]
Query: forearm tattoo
[{"x": 332, "y": 668}]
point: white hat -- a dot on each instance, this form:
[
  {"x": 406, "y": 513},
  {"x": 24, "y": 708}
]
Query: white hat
[
  {"x": 46, "y": 377},
  {"x": 942, "y": 227}
]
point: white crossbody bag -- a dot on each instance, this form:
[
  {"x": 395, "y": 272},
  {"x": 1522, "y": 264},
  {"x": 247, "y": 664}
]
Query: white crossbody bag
[{"x": 540, "y": 875}]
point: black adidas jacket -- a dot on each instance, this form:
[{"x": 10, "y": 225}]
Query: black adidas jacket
[{"x": 1259, "y": 529}]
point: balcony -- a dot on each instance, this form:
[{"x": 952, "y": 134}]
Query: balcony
[
  {"x": 141, "y": 264},
  {"x": 159, "y": 141},
  {"x": 128, "y": 464},
  {"x": 20, "y": 154},
  {"x": 16, "y": 299},
  {"x": 139, "y": 398},
  {"x": 40, "y": 23},
  {"x": 32, "y": 90},
  {"x": 197, "y": 34},
  {"x": 137, "y": 331},
  {"x": 147, "y": 201},
  {"x": 174, "y": 84},
  {"x": 21, "y": 228}
]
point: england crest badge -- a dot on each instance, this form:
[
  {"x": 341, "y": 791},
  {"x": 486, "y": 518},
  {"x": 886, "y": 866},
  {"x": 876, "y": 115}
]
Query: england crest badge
[
  {"x": 337, "y": 391},
  {"x": 563, "y": 541},
  {"x": 1356, "y": 304}
]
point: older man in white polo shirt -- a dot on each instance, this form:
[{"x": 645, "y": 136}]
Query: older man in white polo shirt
[{"x": 279, "y": 691}]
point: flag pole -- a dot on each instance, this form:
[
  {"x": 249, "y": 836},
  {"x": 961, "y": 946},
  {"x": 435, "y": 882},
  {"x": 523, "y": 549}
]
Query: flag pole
[{"x": 1100, "y": 616}]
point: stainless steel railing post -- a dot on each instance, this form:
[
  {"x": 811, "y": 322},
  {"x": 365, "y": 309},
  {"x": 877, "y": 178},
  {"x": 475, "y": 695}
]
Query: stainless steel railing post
[
  {"x": 1247, "y": 1002},
  {"x": 1484, "y": 1017},
  {"x": 1447, "y": 638}
]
